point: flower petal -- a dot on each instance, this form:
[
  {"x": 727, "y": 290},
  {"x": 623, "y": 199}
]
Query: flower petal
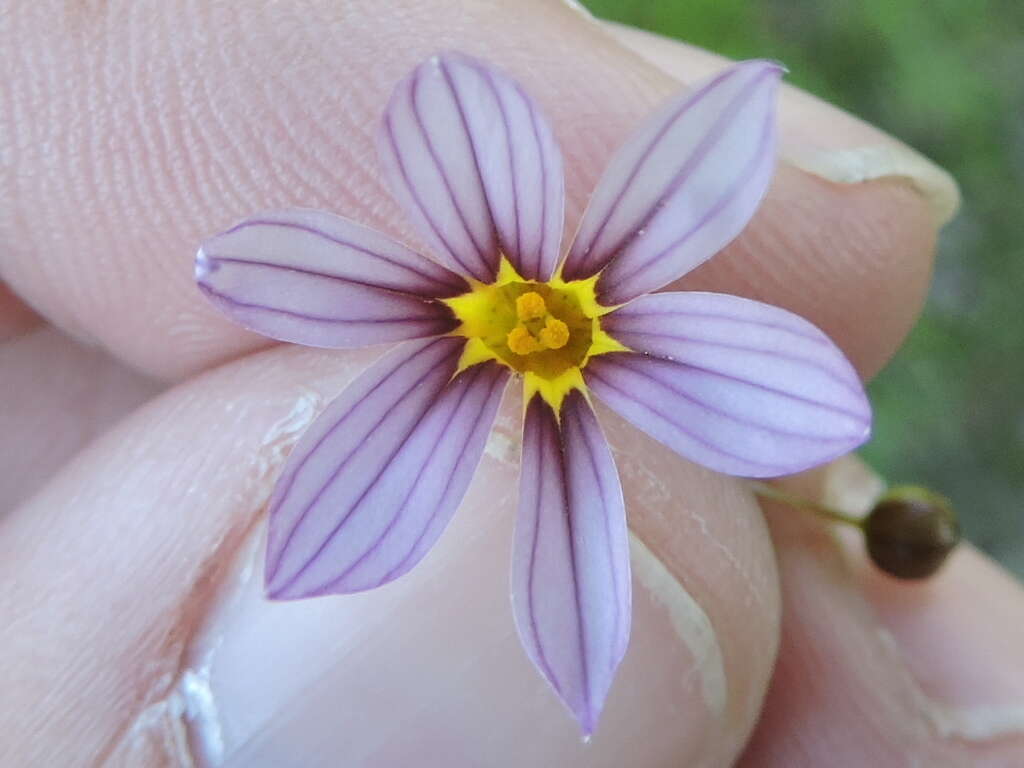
[
  {"x": 474, "y": 161},
  {"x": 373, "y": 483},
  {"x": 317, "y": 279},
  {"x": 739, "y": 386},
  {"x": 570, "y": 567},
  {"x": 683, "y": 186}
]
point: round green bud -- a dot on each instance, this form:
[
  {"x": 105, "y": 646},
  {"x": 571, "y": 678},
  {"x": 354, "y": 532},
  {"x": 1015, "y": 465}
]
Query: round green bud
[{"x": 910, "y": 532}]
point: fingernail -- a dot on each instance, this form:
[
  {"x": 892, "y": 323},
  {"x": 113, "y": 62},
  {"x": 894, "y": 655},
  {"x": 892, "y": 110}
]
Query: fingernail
[
  {"x": 816, "y": 136},
  {"x": 882, "y": 158},
  {"x": 431, "y": 664},
  {"x": 960, "y": 633}
]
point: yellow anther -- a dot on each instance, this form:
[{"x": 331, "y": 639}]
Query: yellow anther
[
  {"x": 530, "y": 306},
  {"x": 521, "y": 342},
  {"x": 554, "y": 334}
]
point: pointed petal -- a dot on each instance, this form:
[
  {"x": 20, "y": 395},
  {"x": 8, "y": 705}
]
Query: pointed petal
[
  {"x": 313, "y": 278},
  {"x": 741, "y": 387},
  {"x": 570, "y": 567},
  {"x": 373, "y": 483},
  {"x": 475, "y": 163},
  {"x": 683, "y": 186}
]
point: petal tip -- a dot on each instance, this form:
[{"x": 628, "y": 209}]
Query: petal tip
[
  {"x": 768, "y": 65},
  {"x": 204, "y": 265}
]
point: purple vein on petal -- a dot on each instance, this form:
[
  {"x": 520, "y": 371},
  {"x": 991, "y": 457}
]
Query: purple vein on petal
[
  {"x": 524, "y": 131},
  {"x": 488, "y": 78},
  {"x": 584, "y": 265},
  {"x": 499, "y": 383},
  {"x": 312, "y": 442},
  {"x": 313, "y": 278},
  {"x": 727, "y": 333},
  {"x": 492, "y": 376},
  {"x": 752, "y": 413},
  {"x": 549, "y": 456},
  {"x": 647, "y": 199},
  {"x": 490, "y": 249},
  {"x": 570, "y": 575},
  {"x": 435, "y": 326},
  {"x": 389, "y": 483},
  {"x": 676, "y": 389},
  {"x": 337, "y": 527},
  {"x": 700, "y": 153},
  {"x": 612, "y": 281},
  {"x": 594, "y": 374},
  {"x": 405, "y": 180},
  {"x": 447, "y": 283}
]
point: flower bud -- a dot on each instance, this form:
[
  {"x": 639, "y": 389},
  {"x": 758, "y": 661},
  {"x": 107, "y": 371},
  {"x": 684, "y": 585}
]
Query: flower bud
[{"x": 910, "y": 531}]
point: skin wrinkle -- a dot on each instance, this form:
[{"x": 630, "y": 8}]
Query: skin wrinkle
[
  {"x": 285, "y": 483},
  {"x": 717, "y": 208},
  {"x": 690, "y": 622},
  {"x": 190, "y": 327},
  {"x": 270, "y": 455},
  {"x": 329, "y": 538}
]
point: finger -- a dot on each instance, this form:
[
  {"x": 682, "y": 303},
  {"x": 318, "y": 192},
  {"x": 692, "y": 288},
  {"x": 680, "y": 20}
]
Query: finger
[
  {"x": 15, "y": 317},
  {"x": 126, "y": 548},
  {"x": 245, "y": 111},
  {"x": 816, "y": 136},
  {"x": 58, "y": 396},
  {"x": 879, "y": 672}
]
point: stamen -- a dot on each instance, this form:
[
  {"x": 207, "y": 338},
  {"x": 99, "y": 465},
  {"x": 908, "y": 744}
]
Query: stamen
[
  {"x": 521, "y": 342},
  {"x": 530, "y": 306},
  {"x": 554, "y": 334}
]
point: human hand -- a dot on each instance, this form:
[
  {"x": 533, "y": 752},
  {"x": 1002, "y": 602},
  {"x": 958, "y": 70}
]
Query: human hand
[{"x": 159, "y": 125}]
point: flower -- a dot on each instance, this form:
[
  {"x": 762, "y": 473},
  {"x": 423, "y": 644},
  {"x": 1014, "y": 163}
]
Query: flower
[{"x": 736, "y": 385}]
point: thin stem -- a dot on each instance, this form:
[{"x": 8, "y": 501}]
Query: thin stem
[{"x": 771, "y": 492}]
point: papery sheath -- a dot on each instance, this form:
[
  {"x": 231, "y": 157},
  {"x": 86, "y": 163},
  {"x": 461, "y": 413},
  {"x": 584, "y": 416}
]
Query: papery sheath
[
  {"x": 317, "y": 279},
  {"x": 371, "y": 486},
  {"x": 682, "y": 186},
  {"x": 570, "y": 563},
  {"x": 741, "y": 387},
  {"x": 475, "y": 163}
]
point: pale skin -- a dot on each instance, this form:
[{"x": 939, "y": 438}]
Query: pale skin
[{"x": 136, "y": 130}]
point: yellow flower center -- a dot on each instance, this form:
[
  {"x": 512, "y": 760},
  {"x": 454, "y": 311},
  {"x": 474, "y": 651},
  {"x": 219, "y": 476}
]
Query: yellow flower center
[{"x": 545, "y": 331}]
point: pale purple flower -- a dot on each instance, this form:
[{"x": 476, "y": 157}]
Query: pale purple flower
[{"x": 736, "y": 385}]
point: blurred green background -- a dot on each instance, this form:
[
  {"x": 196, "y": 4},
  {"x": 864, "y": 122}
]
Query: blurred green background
[{"x": 947, "y": 77}]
